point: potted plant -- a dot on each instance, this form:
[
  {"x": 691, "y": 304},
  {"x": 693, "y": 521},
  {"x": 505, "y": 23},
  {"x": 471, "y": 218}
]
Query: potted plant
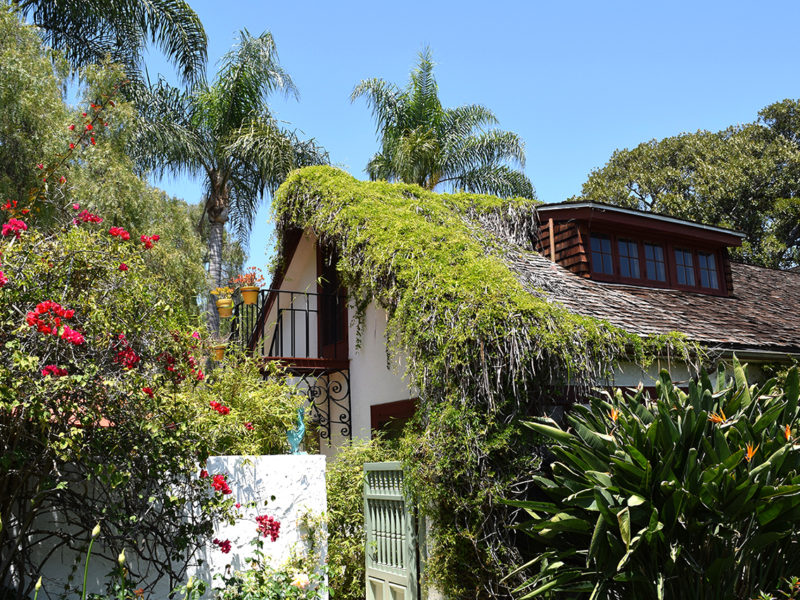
[
  {"x": 224, "y": 301},
  {"x": 219, "y": 351},
  {"x": 249, "y": 284}
]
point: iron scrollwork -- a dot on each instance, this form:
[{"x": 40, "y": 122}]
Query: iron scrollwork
[{"x": 329, "y": 396}]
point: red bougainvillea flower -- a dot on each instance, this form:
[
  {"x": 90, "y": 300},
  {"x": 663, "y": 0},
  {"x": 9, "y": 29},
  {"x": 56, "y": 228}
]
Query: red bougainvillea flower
[
  {"x": 92, "y": 140},
  {"x": 72, "y": 127},
  {"x": 3, "y": 279},
  {"x": 120, "y": 233},
  {"x": 71, "y": 146},
  {"x": 148, "y": 391},
  {"x": 40, "y": 165},
  {"x": 203, "y": 474},
  {"x": 220, "y": 408},
  {"x": 148, "y": 240},
  {"x": 126, "y": 356},
  {"x": 25, "y": 211},
  {"x": 224, "y": 545},
  {"x": 87, "y": 217},
  {"x": 89, "y": 127},
  {"x": 201, "y": 375},
  {"x": 238, "y": 505},
  {"x": 47, "y": 320},
  {"x": 14, "y": 227},
  {"x": 219, "y": 484},
  {"x": 62, "y": 179},
  {"x": 54, "y": 371},
  {"x": 123, "y": 267},
  {"x": 249, "y": 426},
  {"x": 268, "y": 527},
  {"x": 83, "y": 114}
]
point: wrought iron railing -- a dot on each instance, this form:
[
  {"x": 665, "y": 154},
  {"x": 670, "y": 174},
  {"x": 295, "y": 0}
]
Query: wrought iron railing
[{"x": 291, "y": 324}]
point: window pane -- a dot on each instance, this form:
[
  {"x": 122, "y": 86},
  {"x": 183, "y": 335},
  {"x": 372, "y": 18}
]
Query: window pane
[
  {"x": 708, "y": 271},
  {"x": 629, "y": 259},
  {"x": 654, "y": 261},
  {"x": 684, "y": 267},
  {"x": 601, "y": 255}
]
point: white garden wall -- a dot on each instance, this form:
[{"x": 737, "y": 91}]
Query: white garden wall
[{"x": 291, "y": 485}]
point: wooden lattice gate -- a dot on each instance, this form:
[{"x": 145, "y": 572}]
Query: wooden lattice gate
[{"x": 392, "y": 552}]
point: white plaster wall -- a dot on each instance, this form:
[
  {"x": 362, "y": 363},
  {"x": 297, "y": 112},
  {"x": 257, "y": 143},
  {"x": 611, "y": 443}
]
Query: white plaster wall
[
  {"x": 374, "y": 378},
  {"x": 290, "y": 485},
  {"x": 301, "y": 276}
]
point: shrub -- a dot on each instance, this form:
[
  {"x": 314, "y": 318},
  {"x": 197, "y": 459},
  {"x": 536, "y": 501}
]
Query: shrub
[
  {"x": 346, "y": 537},
  {"x": 689, "y": 495}
]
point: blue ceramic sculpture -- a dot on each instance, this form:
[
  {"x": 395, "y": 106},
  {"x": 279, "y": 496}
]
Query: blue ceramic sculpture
[{"x": 295, "y": 436}]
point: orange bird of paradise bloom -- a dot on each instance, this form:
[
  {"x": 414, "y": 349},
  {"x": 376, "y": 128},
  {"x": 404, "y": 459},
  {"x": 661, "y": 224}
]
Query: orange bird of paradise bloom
[
  {"x": 751, "y": 452},
  {"x": 718, "y": 418},
  {"x": 614, "y": 414},
  {"x": 787, "y": 431}
]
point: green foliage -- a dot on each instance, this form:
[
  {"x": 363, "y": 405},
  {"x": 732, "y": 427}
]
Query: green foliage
[
  {"x": 689, "y": 495},
  {"x": 481, "y": 349},
  {"x": 744, "y": 177},
  {"x": 426, "y": 144},
  {"x": 344, "y": 479},
  {"x": 261, "y": 410}
]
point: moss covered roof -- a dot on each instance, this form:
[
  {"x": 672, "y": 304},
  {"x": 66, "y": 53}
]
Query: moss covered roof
[{"x": 443, "y": 267}]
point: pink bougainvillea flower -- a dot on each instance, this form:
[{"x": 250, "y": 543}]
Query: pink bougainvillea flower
[
  {"x": 203, "y": 474},
  {"x": 196, "y": 335},
  {"x": 238, "y": 505},
  {"x": 54, "y": 371},
  {"x": 3, "y": 279},
  {"x": 123, "y": 267},
  {"x": 72, "y": 336},
  {"x": 249, "y": 426},
  {"x": 87, "y": 217},
  {"x": 224, "y": 545},
  {"x": 201, "y": 376},
  {"x": 14, "y": 227},
  {"x": 148, "y": 391},
  {"x": 40, "y": 165},
  {"x": 76, "y": 206},
  {"x": 268, "y": 527}
]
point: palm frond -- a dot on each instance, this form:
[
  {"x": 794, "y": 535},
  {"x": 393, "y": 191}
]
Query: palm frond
[
  {"x": 89, "y": 30},
  {"x": 490, "y": 148},
  {"x": 383, "y": 98},
  {"x": 461, "y": 121},
  {"x": 498, "y": 180}
]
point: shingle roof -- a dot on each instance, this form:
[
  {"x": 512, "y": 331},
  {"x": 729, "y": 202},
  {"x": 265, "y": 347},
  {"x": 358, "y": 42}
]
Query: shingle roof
[{"x": 762, "y": 314}]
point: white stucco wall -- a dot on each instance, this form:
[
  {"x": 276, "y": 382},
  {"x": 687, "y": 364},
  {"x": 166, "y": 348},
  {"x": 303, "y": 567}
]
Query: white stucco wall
[
  {"x": 374, "y": 378},
  {"x": 289, "y": 485}
]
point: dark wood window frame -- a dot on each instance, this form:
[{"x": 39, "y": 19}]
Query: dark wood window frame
[{"x": 668, "y": 246}]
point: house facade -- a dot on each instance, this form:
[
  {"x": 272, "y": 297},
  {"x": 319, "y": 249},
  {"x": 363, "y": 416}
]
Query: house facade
[{"x": 643, "y": 273}]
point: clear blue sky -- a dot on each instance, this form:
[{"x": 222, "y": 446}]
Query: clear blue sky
[{"x": 575, "y": 79}]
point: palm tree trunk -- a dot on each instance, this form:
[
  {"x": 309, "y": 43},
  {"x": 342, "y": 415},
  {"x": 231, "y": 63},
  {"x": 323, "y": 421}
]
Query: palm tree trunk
[{"x": 214, "y": 272}]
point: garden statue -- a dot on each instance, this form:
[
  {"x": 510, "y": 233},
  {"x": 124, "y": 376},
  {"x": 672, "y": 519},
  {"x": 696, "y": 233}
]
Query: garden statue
[{"x": 295, "y": 436}]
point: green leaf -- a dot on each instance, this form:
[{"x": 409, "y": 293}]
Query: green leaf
[
  {"x": 552, "y": 432},
  {"x": 624, "y": 520}
]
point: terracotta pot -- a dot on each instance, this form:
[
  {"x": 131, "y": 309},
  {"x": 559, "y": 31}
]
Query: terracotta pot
[
  {"x": 225, "y": 307},
  {"x": 219, "y": 351},
  {"x": 249, "y": 294}
]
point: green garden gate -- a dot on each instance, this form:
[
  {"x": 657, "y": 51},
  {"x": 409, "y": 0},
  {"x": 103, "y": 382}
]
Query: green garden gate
[{"x": 392, "y": 552}]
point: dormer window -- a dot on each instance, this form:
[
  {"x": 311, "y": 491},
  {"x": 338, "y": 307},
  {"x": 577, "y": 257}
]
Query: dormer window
[
  {"x": 625, "y": 246},
  {"x": 602, "y": 259},
  {"x": 656, "y": 268}
]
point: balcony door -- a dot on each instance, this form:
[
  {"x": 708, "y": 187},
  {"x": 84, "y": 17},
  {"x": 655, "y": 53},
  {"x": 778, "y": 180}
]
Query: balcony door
[{"x": 332, "y": 321}]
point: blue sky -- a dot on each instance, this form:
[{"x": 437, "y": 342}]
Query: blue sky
[{"x": 576, "y": 80}]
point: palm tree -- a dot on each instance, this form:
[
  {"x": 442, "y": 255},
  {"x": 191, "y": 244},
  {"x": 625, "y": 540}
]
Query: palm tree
[
  {"x": 226, "y": 132},
  {"x": 423, "y": 143},
  {"x": 89, "y": 30}
]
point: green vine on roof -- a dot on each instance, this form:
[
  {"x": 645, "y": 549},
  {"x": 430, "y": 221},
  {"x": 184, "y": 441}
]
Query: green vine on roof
[
  {"x": 481, "y": 349},
  {"x": 435, "y": 263}
]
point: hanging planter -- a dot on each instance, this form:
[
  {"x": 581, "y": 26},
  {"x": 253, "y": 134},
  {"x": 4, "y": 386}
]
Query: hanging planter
[
  {"x": 219, "y": 351},
  {"x": 249, "y": 294},
  {"x": 225, "y": 307}
]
